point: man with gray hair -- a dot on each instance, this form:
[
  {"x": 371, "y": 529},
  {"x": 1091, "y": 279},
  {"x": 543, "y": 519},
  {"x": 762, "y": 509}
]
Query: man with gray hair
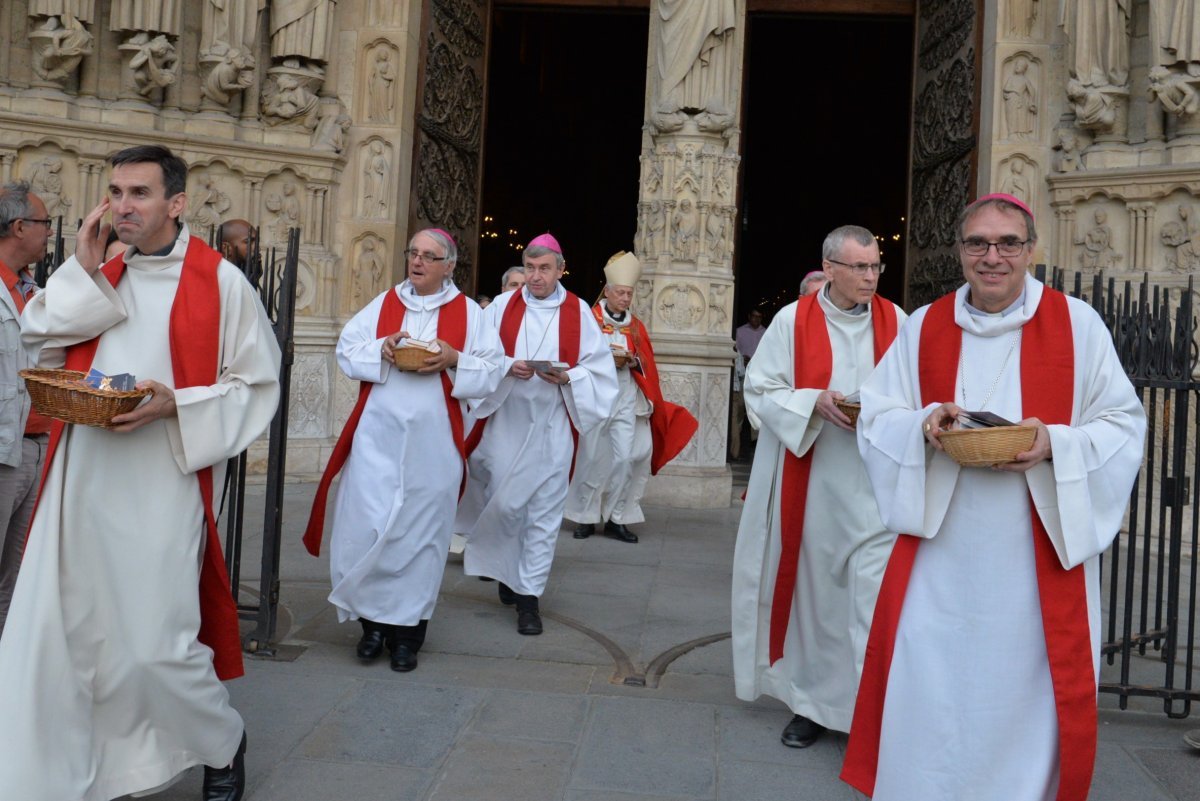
[
  {"x": 811, "y": 549},
  {"x": 513, "y": 278},
  {"x": 24, "y": 229}
]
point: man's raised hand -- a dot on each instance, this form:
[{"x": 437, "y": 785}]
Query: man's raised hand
[{"x": 91, "y": 238}]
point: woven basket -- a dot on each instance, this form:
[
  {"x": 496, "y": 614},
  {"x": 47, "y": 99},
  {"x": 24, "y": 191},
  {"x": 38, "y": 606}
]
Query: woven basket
[
  {"x": 984, "y": 447},
  {"x": 851, "y": 410},
  {"x": 61, "y": 394},
  {"x": 411, "y": 359},
  {"x": 622, "y": 359}
]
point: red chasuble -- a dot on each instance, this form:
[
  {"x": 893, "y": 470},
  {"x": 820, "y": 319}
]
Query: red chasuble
[
  {"x": 671, "y": 426},
  {"x": 812, "y": 369},
  {"x": 195, "y": 337},
  {"x": 1047, "y": 392},
  {"x": 568, "y": 350},
  {"x": 452, "y": 328}
]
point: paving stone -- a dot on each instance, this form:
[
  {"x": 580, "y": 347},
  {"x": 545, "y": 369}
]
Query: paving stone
[
  {"x": 748, "y": 734},
  {"x": 1176, "y": 770},
  {"x": 755, "y": 781},
  {"x": 307, "y": 780},
  {"x": 534, "y": 716},
  {"x": 492, "y": 767},
  {"x": 1120, "y": 777},
  {"x": 605, "y": 795}
]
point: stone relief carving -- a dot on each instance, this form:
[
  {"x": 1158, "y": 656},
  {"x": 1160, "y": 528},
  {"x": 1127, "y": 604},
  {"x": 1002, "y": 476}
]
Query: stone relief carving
[
  {"x": 683, "y": 229},
  {"x": 1021, "y": 16},
  {"x": 309, "y": 399},
  {"x": 716, "y": 416},
  {"x": 209, "y": 204},
  {"x": 382, "y": 13},
  {"x": 716, "y": 233},
  {"x": 229, "y": 25},
  {"x": 230, "y": 70},
  {"x": 286, "y": 97},
  {"x": 1097, "y": 243},
  {"x": 641, "y": 298},
  {"x": 696, "y": 64},
  {"x": 680, "y": 306},
  {"x": 381, "y": 95},
  {"x": 368, "y": 270},
  {"x": 51, "y": 10},
  {"x": 152, "y": 63},
  {"x": 683, "y": 388},
  {"x": 1020, "y": 94},
  {"x": 1016, "y": 181},
  {"x": 59, "y": 44},
  {"x": 332, "y": 127},
  {"x": 284, "y": 210},
  {"x": 1095, "y": 108},
  {"x": 718, "y": 314},
  {"x": 302, "y": 31},
  {"x": 46, "y": 180},
  {"x": 375, "y": 171},
  {"x": 656, "y": 222},
  {"x": 1176, "y": 91},
  {"x": 142, "y": 18},
  {"x": 1182, "y": 238},
  {"x": 1179, "y": 28},
  {"x": 1067, "y": 148},
  {"x": 1099, "y": 34}
]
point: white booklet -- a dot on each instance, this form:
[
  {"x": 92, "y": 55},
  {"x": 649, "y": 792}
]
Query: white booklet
[{"x": 547, "y": 366}]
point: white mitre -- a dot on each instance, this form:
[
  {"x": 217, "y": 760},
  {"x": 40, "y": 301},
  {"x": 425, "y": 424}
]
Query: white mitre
[{"x": 623, "y": 269}]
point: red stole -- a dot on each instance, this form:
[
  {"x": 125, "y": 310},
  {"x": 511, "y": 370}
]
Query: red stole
[
  {"x": 1047, "y": 392},
  {"x": 568, "y": 350},
  {"x": 813, "y": 368},
  {"x": 195, "y": 339},
  {"x": 452, "y": 327},
  {"x": 671, "y": 426}
]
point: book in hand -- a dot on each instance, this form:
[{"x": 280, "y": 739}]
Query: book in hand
[
  {"x": 544, "y": 366},
  {"x": 410, "y": 342},
  {"x": 982, "y": 420},
  {"x": 853, "y": 398}
]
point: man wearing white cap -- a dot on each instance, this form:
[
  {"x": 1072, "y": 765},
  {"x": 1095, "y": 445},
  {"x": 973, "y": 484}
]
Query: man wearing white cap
[
  {"x": 644, "y": 432},
  {"x": 559, "y": 383}
]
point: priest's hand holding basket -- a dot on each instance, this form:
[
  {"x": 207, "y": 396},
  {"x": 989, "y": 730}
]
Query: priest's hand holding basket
[{"x": 979, "y": 439}]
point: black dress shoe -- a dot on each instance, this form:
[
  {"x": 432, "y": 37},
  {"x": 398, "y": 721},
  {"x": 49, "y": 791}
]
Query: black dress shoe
[
  {"x": 403, "y": 659},
  {"x": 529, "y": 620},
  {"x": 370, "y": 646},
  {"x": 486, "y": 578},
  {"x": 507, "y": 596},
  {"x": 584, "y": 530},
  {"x": 618, "y": 532},
  {"x": 227, "y": 784},
  {"x": 801, "y": 732}
]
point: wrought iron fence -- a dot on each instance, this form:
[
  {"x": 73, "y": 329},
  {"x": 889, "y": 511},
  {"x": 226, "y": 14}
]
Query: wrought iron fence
[{"x": 1152, "y": 567}]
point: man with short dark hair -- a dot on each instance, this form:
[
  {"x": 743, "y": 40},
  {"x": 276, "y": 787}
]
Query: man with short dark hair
[
  {"x": 123, "y": 622},
  {"x": 24, "y": 230},
  {"x": 980, "y": 678}
]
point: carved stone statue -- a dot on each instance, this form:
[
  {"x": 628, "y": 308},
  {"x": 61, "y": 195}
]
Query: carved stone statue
[
  {"x": 696, "y": 63},
  {"x": 285, "y": 98},
  {"x": 1020, "y": 101},
  {"x": 656, "y": 222},
  {"x": 380, "y": 97},
  {"x": 1016, "y": 183},
  {"x": 285, "y": 209},
  {"x": 1099, "y": 32},
  {"x": 1022, "y": 14},
  {"x": 369, "y": 272},
  {"x": 58, "y": 50},
  {"x": 1176, "y": 91},
  {"x": 1182, "y": 239},
  {"x": 142, "y": 18},
  {"x": 302, "y": 29},
  {"x": 52, "y": 10},
  {"x": 45, "y": 179},
  {"x": 717, "y": 316},
  {"x": 683, "y": 225},
  {"x": 1181, "y": 35},
  {"x": 1098, "y": 252},
  {"x": 1093, "y": 107},
  {"x": 210, "y": 204},
  {"x": 1067, "y": 158},
  {"x": 152, "y": 65},
  {"x": 232, "y": 71},
  {"x": 715, "y": 228},
  {"x": 330, "y": 135},
  {"x": 232, "y": 23},
  {"x": 375, "y": 181}
]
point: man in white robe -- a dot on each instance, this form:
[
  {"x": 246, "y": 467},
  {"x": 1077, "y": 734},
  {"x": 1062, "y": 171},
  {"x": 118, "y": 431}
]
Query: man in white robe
[
  {"x": 981, "y": 671},
  {"x": 399, "y": 490},
  {"x": 107, "y": 690},
  {"x": 811, "y": 549},
  {"x": 520, "y": 470}
]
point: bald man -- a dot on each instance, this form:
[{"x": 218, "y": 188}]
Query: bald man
[{"x": 235, "y": 241}]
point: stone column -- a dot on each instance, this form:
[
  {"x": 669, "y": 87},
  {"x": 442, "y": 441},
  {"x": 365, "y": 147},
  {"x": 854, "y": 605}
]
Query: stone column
[
  {"x": 685, "y": 231},
  {"x": 1064, "y": 221}
]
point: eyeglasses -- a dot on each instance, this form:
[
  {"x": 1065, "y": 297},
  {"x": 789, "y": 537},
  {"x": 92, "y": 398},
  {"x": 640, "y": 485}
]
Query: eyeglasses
[
  {"x": 46, "y": 222},
  {"x": 1005, "y": 247},
  {"x": 426, "y": 258},
  {"x": 861, "y": 269}
]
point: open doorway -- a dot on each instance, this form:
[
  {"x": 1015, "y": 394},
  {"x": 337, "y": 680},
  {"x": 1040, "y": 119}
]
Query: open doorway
[
  {"x": 825, "y": 143},
  {"x": 566, "y": 91}
]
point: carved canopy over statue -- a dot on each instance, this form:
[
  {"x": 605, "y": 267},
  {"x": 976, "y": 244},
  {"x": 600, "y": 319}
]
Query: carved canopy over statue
[
  {"x": 140, "y": 16},
  {"x": 302, "y": 29},
  {"x": 696, "y": 63},
  {"x": 1099, "y": 33}
]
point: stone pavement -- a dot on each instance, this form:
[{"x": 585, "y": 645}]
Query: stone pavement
[{"x": 627, "y": 696}]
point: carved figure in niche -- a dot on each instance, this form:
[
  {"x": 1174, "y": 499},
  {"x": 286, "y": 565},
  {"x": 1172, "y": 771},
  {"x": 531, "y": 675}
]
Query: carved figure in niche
[
  {"x": 1022, "y": 14},
  {"x": 696, "y": 63},
  {"x": 210, "y": 203},
  {"x": 368, "y": 270},
  {"x": 232, "y": 24},
  {"x": 1016, "y": 183},
  {"x": 717, "y": 316},
  {"x": 1020, "y": 101},
  {"x": 233, "y": 72},
  {"x": 290, "y": 213},
  {"x": 681, "y": 306},
  {"x": 153, "y": 65},
  {"x": 1182, "y": 239},
  {"x": 286, "y": 211},
  {"x": 1098, "y": 252},
  {"x": 1066, "y": 157},
  {"x": 656, "y": 222},
  {"x": 57, "y": 51},
  {"x": 654, "y": 175},
  {"x": 302, "y": 29},
  {"x": 715, "y": 227},
  {"x": 380, "y": 97},
  {"x": 285, "y": 98},
  {"x": 1181, "y": 35},
  {"x": 330, "y": 134},
  {"x": 1099, "y": 33},
  {"x": 683, "y": 224},
  {"x": 1093, "y": 108},
  {"x": 45, "y": 179},
  {"x": 1174, "y": 90},
  {"x": 52, "y": 10},
  {"x": 375, "y": 181},
  {"x": 143, "y": 18}
]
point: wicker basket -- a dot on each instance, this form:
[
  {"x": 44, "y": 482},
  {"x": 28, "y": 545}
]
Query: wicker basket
[
  {"x": 851, "y": 410},
  {"x": 622, "y": 359},
  {"x": 984, "y": 447},
  {"x": 61, "y": 394},
  {"x": 411, "y": 359}
]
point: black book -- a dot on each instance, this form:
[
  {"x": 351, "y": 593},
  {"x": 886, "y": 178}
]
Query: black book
[{"x": 982, "y": 420}]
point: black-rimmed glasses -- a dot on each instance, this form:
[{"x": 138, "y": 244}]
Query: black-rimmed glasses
[
  {"x": 1005, "y": 247},
  {"x": 49, "y": 223},
  {"x": 426, "y": 258},
  {"x": 860, "y": 269}
]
